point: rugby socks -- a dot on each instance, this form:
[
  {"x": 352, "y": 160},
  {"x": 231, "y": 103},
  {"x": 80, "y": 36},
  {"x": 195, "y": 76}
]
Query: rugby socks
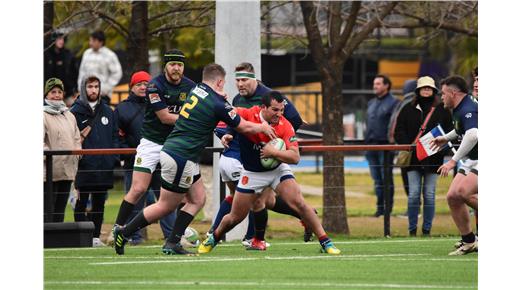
[
  {"x": 137, "y": 223},
  {"x": 324, "y": 240},
  {"x": 250, "y": 226},
  {"x": 225, "y": 208},
  {"x": 282, "y": 207},
  {"x": 179, "y": 207},
  {"x": 125, "y": 210},
  {"x": 183, "y": 221},
  {"x": 260, "y": 224},
  {"x": 469, "y": 238}
]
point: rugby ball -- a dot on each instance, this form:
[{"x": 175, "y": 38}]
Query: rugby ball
[
  {"x": 190, "y": 239},
  {"x": 270, "y": 163}
]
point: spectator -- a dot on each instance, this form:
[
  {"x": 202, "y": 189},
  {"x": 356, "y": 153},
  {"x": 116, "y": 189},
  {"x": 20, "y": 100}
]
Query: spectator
[
  {"x": 98, "y": 128},
  {"x": 408, "y": 96},
  {"x": 61, "y": 64},
  {"x": 60, "y": 132},
  {"x": 101, "y": 62},
  {"x": 379, "y": 112},
  {"x": 130, "y": 116},
  {"x": 422, "y": 175}
]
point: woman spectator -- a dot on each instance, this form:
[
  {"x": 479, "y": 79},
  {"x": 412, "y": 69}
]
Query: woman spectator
[
  {"x": 422, "y": 175},
  {"x": 60, "y": 133}
]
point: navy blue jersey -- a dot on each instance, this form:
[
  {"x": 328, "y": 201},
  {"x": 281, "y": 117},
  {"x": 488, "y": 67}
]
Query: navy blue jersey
[
  {"x": 199, "y": 116},
  {"x": 290, "y": 113},
  {"x": 465, "y": 117},
  {"x": 161, "y": 94}
]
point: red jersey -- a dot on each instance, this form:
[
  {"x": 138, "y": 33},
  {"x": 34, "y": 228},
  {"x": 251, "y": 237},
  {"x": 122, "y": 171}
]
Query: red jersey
[{"x": 250, "y": 144}]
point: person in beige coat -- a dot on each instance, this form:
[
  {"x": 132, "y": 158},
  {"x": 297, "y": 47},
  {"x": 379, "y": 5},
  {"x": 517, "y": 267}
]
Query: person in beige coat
[{"x": 60, "y": 133}]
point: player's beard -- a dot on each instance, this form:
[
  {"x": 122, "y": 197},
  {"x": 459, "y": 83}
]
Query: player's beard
[{"x": 175, "y": 76}]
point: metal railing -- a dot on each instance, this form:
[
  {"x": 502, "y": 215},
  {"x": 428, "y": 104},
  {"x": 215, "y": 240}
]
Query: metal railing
[{"x": 311, "y": 145}]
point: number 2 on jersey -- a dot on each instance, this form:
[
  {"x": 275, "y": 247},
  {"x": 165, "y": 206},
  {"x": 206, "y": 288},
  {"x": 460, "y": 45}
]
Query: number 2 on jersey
[{"x": 188, "y": 106}]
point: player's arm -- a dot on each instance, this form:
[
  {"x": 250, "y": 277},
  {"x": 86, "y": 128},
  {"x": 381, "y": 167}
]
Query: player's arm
[
  {"x": 226, "y": 139},
  {"x": 236, "y": 118},
  {"x": 469, "y": 141},
  {"x": 290, "y": 156},
  {"x": 166, "y": 117},
  {"x": 440, "y": 141},
  {"x": 246, "y": 127},
  {"x": 159, "y": 106}
]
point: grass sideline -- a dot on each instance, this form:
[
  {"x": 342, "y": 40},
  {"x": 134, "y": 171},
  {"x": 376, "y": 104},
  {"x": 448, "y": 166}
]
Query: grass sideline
[{"x": 420, "y": 263}]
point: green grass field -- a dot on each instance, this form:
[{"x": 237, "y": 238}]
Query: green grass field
[{"x": 420, "y": 263}]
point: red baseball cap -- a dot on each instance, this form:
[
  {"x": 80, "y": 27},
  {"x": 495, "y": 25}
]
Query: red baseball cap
[{"x": 140, "y": 76}]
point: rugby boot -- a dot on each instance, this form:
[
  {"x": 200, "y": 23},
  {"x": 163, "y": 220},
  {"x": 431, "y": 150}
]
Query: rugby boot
[
  {"x": 207, "y": 245},
  {"x": 458, "y": 244},
  {"x": 119, "y": 240},
  {"x": 465, "y": 248},
  {"x": 176, "y": 249},
  {"x": 257, "y": 245},
  {"x": 247, "y": 243},
  {"x": 329, "y": 248}
]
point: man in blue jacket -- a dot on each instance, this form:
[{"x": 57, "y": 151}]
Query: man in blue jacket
[
  {"x": 98, "y": 126},
  {"x": 379, "y": 112}
]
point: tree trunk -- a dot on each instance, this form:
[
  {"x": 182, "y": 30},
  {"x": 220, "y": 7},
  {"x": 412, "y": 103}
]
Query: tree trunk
[
  {"x": 48, "y": 16},
  {"x": 138, "y": 40},
  {"x": 334, "y": 213}
]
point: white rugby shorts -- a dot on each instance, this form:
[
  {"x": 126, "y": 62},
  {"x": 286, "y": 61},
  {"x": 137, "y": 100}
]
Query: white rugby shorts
[
  {"x": 177, "y": 174},
  {"x": 229, "y": 168},
  {"x": 468, "y": 165},
  {"x": 147, "y": 156},
  {"x": 255, "y": 182}
]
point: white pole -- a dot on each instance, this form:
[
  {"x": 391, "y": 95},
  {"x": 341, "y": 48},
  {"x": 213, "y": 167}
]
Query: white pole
[{"x": 237, "y": 39}]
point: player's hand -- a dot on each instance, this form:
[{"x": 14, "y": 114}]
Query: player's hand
[
  {"x": 268, "y": 130},
  {"x": 267, "y": 151},
  {"x": 445, "y": 169},
  {"x": 226, "y": 139},
  {"x": 438, "y": 142}
]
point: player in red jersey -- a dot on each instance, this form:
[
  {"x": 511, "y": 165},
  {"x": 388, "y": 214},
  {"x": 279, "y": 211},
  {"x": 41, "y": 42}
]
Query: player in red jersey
[{"x": 254, "y": 178}]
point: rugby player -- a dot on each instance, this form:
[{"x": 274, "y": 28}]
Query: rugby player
[
  {"x": 250, "y": 92},
  {"x": 255, "y": 178},
  {"x": 463, "y": 190},
  {"x": 165, "y": 96}
]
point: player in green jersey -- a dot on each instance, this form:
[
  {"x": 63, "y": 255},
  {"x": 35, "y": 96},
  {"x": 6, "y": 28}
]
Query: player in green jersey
[
  {"x": 205, "y": 106},
  {"x": 165, "y": 96}
]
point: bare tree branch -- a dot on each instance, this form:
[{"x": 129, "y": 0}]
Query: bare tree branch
[
  {"x": 334, "y": 23},
  {"x": 313, "y": 34},
  {"x": 273, "y": 7},
  {"x": 173, "y": 27},
  {"x": 183, "y": 9},
  {"x": 351, "y": 22},
  {"x": 117, "y": 26},
  {"x": 366, "y": 30}
]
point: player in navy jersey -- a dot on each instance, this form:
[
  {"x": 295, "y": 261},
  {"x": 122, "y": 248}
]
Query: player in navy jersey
[
  {"x": 250, "y": 94},
  {"x": 205, "y": 106},
  {"x": 254, "y": 178},
  {"x": 463, "y": 190}
]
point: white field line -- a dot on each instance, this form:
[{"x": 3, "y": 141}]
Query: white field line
[
  {"x": 233, "y": 259},
  {"x": 271, "y": 285},
  {"x": 234, "y": 244}
]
